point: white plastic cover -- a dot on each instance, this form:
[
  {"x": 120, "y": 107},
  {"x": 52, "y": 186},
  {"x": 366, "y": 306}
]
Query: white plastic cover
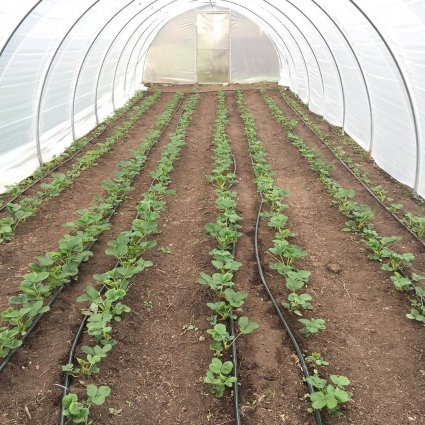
[
  {"x": 214, "y": 46},
  {"x": 66, "y": 64}
]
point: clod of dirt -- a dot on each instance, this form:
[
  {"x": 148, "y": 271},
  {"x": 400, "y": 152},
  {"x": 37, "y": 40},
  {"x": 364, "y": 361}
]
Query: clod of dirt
[{"x": 333, "y": 268}]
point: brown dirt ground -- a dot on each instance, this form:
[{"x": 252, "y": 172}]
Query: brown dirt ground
[
  {"x": 35, "y": 370},
  {"x": 269, "y": 376},
  {"x": 362, "y": 158},
  {"x": 156, "y": 370},
  {"x": 368, "y": 336},
  {"x": 30, "y": 238}
]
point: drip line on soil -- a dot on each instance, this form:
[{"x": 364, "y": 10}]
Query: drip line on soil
[
  {"x": 49, "y": 172},
  {"x": 234, "y": 345},
  {"x": 87, "y": 248},
  {"x": 77, "y": 337},
  {"x": 285, "y": 324},
  {"x": 368, "y": 189}
]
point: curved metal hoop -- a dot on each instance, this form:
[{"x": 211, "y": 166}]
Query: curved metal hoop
[
  {"x": 74, "y": 92},
  {"x": 344, "y": 102},
  {"x": 251, "y": 11},
  {"x": 111, "y": 45},
  {"x": 409, "y": 94},
  {"x": 360, "y": 68},
  {"x": 46, "y": 75}
]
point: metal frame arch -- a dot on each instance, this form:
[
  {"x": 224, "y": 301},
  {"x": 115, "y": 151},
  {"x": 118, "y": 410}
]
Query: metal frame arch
[
  {"x": 360, "y": 68},
  {"x": 131, "y": 54},
  {"x": 278, "y": 34},
  {"x": 23, "y": 19},
  {"x": 46, "y": 74},
  {"x": 273, "y": 30},
  {"x": 344, "y": 106},
  {"x": 408, "y": 92},
  {"x": 122, "y": 52},
  {"x": 113, "y": 42},
  {"x": 308, "y": 44},
  {"x": 116, "y": 12},
  {"x": 11, "y": 35},
  {"x": 278, "y": 51},
  {"x": 302, "y": 56}
]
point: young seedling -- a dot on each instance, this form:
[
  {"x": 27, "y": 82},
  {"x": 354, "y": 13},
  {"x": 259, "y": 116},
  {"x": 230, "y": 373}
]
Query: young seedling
[{"x": 219, "y": 377}]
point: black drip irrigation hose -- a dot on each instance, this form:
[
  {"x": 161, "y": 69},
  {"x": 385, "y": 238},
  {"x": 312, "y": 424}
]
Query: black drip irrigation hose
[
  {"x": 49, "y": 172},
  {"x": 87, "y": 248},
  {"x": 234, "y": 345},
  {"x": 77, "y": 337},
  {"x": 395, "y": 217},
  {"x": 285, "y": 324},
  {"x": 369, "y": 190}
]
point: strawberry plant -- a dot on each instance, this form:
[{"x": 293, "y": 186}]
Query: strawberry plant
[
  {"x": 329, "y": 396},
  {"x": 415, "y": 223},
  {"x": 225, "y": 231},
  {"x": 360, "y": 216},
  {"x": 104, "y": 304},
  {"x": 27, "y": 207},
  {"x": 55, "y": 269},
  {"x": 219, "y": 376},
  {"x": 76, "y": 146}
]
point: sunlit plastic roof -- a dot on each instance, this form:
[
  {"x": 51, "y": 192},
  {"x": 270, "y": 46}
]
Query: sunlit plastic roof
[{"x": 67, "y": 64}]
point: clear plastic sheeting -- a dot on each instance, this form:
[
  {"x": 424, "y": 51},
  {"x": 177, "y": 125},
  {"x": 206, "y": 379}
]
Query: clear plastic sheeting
[
  {"x": 66, "y": 64},
  {"x": 214, "y": 46}
]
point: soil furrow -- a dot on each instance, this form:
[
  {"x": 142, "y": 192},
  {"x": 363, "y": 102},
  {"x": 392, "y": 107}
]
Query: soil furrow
[
  {"x": 30, "y": 238},
  {"x": 270, "y": 380},
  {"x": 35, "y": 371},
  {"x": 368, "y": 337},
  {"x": 156, "y": 371},
  {"x": 385, "y": 224},
  {"x": 396, "y": 190}
]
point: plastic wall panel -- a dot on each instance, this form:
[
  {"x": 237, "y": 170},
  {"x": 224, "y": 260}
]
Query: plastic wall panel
[
  {"x": 10, "y": 16},
  {"x": 405, "y": 33},
  {"x": 168, "y": 58},
  {"x": 120, "y": 68},
  {"x": 396, "y": 147},
  {"x": 244, "y": 36},
  {"x": 106, "y": 77},
  {"x": 357, "y": 116},
  {"x": 22, "y": 67},
  {"x": 333, "y": 101},
  {"x": 394, "y": 139}
]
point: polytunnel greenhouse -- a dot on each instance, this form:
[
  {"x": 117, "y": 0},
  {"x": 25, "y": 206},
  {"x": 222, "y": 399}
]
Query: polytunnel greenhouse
[{"x": 212, "y": 212}]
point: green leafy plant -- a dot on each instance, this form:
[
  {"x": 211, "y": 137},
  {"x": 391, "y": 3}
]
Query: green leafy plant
[
  {"x": 218, "y": 376},
  {"x": 329, "y": 396}
]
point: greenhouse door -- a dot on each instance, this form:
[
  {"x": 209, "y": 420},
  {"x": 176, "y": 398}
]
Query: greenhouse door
[{"x": 213, "y": 47}]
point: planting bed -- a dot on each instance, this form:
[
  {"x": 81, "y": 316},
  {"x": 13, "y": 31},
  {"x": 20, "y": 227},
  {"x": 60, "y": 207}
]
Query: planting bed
[{"x": 194, "y": 194}]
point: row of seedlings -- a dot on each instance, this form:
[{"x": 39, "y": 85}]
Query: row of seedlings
[
  {"x": 54, "y": 270},
  {"x": 283, "y": 258},
  {"x": 27, "y": 207},
  {"x": 43, "y": 171},
  {"x": 414, "y": 222},
  {"x": 360, "y": 221},
  {"x": 105, "y": 304},
  {"x": 222, "y": 373}
]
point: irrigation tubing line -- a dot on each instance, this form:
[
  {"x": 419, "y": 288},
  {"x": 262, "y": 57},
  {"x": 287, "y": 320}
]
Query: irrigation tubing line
[
  {"x": 394, "y": 216},
  {"x": 87, "y": 248},
  {"x": 234, "y": 345},
  {"x": 80, "y": 330},
  {"x": 306, "y": 373},
  {"x": 49, "y": 172},
  {"x": 300, "y": 356}
]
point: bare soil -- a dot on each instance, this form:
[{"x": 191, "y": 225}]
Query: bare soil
[{"x": 157, "y": 368}]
